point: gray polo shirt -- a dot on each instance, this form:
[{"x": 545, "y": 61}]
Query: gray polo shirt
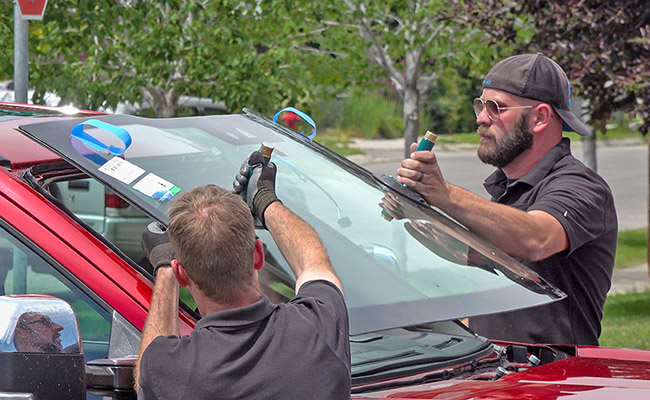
[
  {"x": 582, "y": 202},
  {"x": 297, "y": 350}
]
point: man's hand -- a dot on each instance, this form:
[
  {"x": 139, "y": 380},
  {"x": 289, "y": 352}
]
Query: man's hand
[
  {"x": 259, "y": 186},
  {"x": 156, "y": 246},
  {"x": 421, "y": 173},
  {"x": 391, "y": 205}
]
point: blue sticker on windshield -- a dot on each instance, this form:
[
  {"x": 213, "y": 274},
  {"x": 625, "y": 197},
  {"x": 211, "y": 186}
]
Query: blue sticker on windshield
[{"x": 94, "y": 143}]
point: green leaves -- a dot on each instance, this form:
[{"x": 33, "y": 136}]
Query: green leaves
[
  {"x": 99, "y": 53},
  {"x": 259, "y": 54},
  {"x": 603, "y": 47}
]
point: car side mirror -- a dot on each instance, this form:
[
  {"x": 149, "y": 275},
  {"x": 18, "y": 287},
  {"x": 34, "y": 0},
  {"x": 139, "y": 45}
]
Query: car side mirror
[
  {"x": 40, "y": 348},
  {"x": 42, "y": 356}
]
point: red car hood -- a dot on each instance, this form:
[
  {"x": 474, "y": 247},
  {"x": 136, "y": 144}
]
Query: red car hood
[{"x": 573, "y": 378}]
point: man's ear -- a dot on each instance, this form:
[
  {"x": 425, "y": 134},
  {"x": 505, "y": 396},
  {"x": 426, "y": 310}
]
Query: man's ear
[
  {"x": 543, "y": 115},
  {"x": 179, "y": 272},
  {"x": 258, "y": 259}
]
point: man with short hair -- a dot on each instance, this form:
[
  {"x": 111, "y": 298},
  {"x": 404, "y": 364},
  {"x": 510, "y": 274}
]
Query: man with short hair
[
  {"x": 244, "y": 347},
  {"x": 547, "y": 208},
  {"x": 37, "y": 333}
]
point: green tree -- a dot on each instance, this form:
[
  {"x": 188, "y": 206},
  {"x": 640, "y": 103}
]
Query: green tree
[
  {"x": 99, "y": 53},
  {"x": 405, "y": 44},
  {"x": 6, "y": 39},
  {"x": 604, "y": 48}
]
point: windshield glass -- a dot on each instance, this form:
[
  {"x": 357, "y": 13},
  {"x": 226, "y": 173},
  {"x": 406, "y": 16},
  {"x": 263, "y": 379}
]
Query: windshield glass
[{"x": 406, "y": 268}]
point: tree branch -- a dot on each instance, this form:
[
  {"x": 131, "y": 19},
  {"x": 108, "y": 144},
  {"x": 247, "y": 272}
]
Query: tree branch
[{"x": 376, "y": 52}]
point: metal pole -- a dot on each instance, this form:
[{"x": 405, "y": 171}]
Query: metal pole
[{"x": 21, "y": 58}]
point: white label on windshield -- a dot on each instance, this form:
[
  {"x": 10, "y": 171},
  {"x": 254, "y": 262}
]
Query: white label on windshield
[
  {"x": 121, "y": 170},
  {"x": 156, "y": 187}
]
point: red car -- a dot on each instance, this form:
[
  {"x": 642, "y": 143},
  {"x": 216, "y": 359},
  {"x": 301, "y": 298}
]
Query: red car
[{"x": 408, "y": 281}]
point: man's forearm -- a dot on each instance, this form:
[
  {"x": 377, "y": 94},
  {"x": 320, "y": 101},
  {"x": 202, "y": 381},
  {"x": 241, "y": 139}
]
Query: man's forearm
[
  {"x": 300, "y": 245},
  {"x": 162, "y": 319},
  {"x": 527, "y": 235}
]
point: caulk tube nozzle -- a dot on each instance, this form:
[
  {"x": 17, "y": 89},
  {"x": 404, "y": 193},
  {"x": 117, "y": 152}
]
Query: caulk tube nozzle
[{"x": 266, "y": 152}]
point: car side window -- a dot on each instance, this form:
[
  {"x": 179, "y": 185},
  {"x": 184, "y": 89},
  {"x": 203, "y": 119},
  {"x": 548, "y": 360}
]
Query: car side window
[
  {"x": 105, "y": 212},
  {"x": 122, "y": 224},
  {"x": 23, "y": 271}
]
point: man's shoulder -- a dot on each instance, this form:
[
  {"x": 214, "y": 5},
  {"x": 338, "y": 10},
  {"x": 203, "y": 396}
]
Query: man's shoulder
[
  {"x": 159, "y": 348},
  {"x": 321, "y": 285},
  {"x": 321, "y": 298},
  {"x": 320, "y": 289},
  {"x": 569, "y": 167}
]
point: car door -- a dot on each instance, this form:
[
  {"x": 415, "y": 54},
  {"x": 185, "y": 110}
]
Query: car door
[{"x": 26, "y": 268}]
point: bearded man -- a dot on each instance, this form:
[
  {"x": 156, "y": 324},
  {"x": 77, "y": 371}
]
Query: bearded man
[
  {"x": 37, "y": 333},
  {"x": 547, "y": 209}
]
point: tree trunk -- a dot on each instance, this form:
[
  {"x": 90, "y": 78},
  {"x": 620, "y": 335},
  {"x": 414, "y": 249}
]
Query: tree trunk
[
  {"x": 411, "y": 115},
  {"x": 164, "y": 104},
  {"x": 589, "y": 151},
  {"x": 580, "y": 109}
]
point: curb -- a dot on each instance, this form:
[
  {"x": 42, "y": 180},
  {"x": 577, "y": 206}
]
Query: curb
[{"x": 375, "y": 151}]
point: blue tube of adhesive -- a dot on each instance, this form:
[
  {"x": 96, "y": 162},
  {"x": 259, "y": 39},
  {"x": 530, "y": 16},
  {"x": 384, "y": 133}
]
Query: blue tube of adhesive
[{"x": 426, "y": 143}]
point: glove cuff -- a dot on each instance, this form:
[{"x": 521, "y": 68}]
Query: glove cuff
[
  {"x": 159, "y": 266},
  {"x": 260, "y": 208},
  {"x": 161, "y": 256}
]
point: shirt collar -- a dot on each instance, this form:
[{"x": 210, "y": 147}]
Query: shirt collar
[
  {"x": 496, "y": 183},
  {"x": 239, "y": 316}
]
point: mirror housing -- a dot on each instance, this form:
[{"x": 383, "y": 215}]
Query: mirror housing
[
  {"x": 40, "y": 348},
  {"x": 111, "y": 377}
]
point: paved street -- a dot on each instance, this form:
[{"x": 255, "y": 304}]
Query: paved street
[{"x": 624, "y": 165}]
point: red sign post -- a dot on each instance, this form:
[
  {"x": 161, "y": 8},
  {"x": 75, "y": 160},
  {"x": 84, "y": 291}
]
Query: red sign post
[{"x": 32, "y": 9}]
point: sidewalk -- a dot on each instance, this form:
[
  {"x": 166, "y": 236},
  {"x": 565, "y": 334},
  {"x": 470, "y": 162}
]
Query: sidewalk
[
  {"x": 391, "y": 150},
  {"x": 631, "y": 279}
]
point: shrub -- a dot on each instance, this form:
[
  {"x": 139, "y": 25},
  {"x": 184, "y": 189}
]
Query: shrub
[{"x": 364, "y": 115}]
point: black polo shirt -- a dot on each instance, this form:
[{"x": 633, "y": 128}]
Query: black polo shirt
[
  {"x": 582, "y": 202},
  {"x": 297, "y": 350}
]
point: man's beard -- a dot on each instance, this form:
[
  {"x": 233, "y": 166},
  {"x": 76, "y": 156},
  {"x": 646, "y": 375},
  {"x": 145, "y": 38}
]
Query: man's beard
[{"x": 509, "y": 146}]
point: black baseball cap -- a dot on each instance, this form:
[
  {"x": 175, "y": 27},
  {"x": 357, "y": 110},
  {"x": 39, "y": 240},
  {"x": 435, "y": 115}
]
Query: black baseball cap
[{"x": 537, "y": 77}]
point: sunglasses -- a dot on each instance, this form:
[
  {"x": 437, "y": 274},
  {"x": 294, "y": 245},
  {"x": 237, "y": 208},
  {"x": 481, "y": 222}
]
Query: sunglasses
[
  {"x": 492, "y": 107},
  {"x": 45, "y": 320}
]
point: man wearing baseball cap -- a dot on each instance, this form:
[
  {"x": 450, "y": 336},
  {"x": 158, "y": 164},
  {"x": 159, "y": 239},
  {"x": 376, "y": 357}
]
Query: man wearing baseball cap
[{"x": 547, "y": 208}]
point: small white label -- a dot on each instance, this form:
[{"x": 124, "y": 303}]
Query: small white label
[
  {"x": 156, "y": 187},
  {"x": 121, "y": 170}
]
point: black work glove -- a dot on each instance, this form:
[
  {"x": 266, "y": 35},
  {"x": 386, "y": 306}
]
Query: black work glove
[
  {"x": 156, "y": 246},
  {"x": 258, "y": 187}
]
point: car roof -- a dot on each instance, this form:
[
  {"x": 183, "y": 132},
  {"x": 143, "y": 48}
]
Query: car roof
[{"x": 19, "y": 152}]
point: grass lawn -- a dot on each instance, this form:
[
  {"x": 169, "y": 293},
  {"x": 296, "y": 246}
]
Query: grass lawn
[
  {"x": 338, "y": 143},
  {"x": 632, "y": 248},
  {"x": 626, "y": 321}
]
